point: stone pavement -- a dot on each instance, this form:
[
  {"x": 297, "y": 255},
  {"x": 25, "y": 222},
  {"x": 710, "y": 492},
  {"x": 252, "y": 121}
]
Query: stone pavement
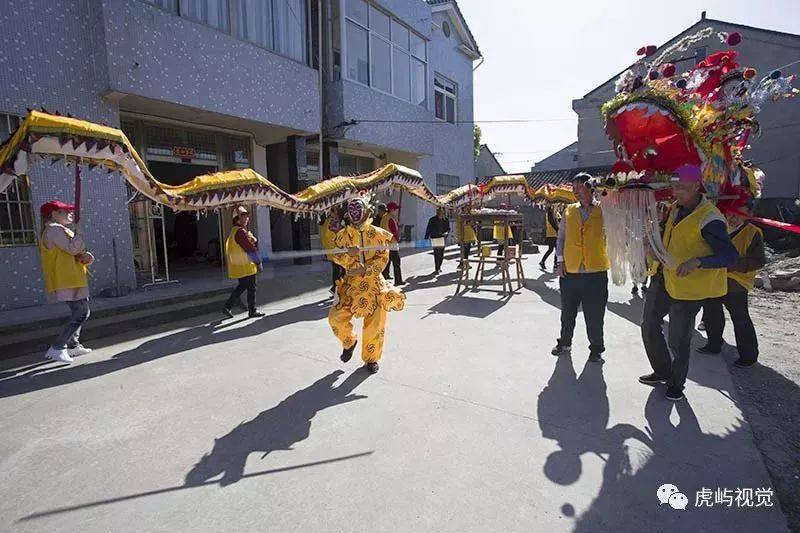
[{"x": 470, "y": 425}]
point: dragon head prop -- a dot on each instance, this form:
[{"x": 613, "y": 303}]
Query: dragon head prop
[{"x": 660, "y": 120}]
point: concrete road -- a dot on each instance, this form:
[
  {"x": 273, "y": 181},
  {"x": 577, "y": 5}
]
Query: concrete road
[{"x": 470, "y": 425}]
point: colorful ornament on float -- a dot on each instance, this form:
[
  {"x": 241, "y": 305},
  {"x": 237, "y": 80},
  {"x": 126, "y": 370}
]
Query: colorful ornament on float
[{"x": 659, "y": 121}]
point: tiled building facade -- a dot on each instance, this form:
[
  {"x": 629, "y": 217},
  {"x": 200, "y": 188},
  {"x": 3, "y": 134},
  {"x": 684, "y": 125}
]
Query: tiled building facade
[{"x": 206, "y": 85}]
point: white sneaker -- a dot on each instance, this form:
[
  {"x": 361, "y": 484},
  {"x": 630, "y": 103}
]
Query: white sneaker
[
  {"x": 78, "y": 350},
  {"x": 58, "y": 355}
]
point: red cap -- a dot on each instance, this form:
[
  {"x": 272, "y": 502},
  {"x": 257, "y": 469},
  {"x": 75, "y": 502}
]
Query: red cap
[
  {"x": 56, "y": 205},
  {"x": 391, "y": 206}
]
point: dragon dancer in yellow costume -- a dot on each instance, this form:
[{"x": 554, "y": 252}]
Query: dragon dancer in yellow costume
[{"x": 362, "y": 292}]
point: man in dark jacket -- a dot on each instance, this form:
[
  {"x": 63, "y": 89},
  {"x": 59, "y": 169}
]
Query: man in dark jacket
[{"x": 438, "y": 227}]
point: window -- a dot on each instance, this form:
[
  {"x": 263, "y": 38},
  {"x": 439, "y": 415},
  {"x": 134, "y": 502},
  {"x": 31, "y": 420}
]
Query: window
[
  {"x": 278, "y": 25},
  {"x": 215, "y": 13},
  {"x": 291, "y": 33},
  {"x": 357, "y": 53},
  {"x": 446, "y": 183},
  {"x": 445, "y": 92},
  {"x": 385, "y": 54},
  {"x": 17, "y": 227},
  {"x": 350, "y": 165},
  {"x": 254, "y": 22}
]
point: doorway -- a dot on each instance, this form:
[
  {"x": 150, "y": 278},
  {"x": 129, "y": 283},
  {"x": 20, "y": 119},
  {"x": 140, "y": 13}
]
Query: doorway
[{"x": 192, "y": 239}]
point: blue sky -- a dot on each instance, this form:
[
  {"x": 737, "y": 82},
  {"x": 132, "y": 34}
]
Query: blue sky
[{"x": 541, "y": 54}]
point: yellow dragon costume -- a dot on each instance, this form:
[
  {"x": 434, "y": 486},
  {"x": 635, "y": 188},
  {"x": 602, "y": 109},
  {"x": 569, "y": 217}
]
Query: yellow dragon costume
[{"x": 363, "y": 292}]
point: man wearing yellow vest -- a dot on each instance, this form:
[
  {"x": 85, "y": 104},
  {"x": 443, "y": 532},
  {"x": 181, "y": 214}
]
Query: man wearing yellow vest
[
  {"x": 65, "y": 264},
  {"x": 550, "y": 236},
  {"x": 582, "y": 265},
  {"x": 244, "y": 263},
  {"x": 696, "y": 237},
  {"x": 749, "y": 243}
]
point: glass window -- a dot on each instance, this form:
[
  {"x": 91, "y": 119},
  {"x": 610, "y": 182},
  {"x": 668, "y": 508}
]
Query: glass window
[
  {"x": 401, "y": 74},
  {"x": 215, "y": 13},
  {"x": 290, "y": 28},
  {"x": 17, "y": 226},
  {"x": 418, "y": 47},
  {"x": 381, "y": 66},
  {"x": 357, "y": 53},
  {"x": 445, "y": 94},
  {"x": 378, "y": 53},
  {"x": 418, "y": 85},
  {"x": 446, "y": 183},
  {"x": 399, "y": 34},
  {"x": 357, "y": 10},
  {"x": 254, "y": 22},
  {"x": 379, "y": 22}
]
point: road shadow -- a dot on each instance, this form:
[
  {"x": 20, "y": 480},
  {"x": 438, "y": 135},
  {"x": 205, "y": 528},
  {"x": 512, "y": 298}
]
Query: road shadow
[
  {"x": 679, "y": 453},
  {"x": 216, "y": 332},
  {"x": 429, "y": 281},
  {"x": 277, "y": 428},
  {"x": 574, "y": 411},
  {"x": 468, "y": 306},
  {"x": 672, "y": 448}
]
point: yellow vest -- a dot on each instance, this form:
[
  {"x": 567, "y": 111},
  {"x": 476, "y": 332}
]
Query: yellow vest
[
  {"x": 384, "y": 224},
  {"x": 239, "y": 263},
  {"x": 62, "y": 270},
  {"x": 742, "y": 242},
  {"x": 469, "y": 232},
  {"x": 326, "y": 235},
  {"x": 550, "y": 231},
  {"x": 684, "y": 242},
  {"x": 500, "y": 232},
  {"x": 585, "y": 242}
]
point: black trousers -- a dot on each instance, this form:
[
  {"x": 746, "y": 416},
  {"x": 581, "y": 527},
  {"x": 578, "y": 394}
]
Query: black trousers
[
  {"x": 247, "y": 283},
  {"x": 394, "y": 261},
  {"x": 438, "y": 258},
  {"x": 465, "y": 249},
  {"x": 337, "y": 272},
  {"x": 743, "y": 329},
  {"x": 591, "y": 292},
  {"x": 682, "y": 315},
  {"x": 551, "y": 247}
]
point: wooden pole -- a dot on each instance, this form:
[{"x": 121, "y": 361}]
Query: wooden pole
[{"x": 77, "y": 192}]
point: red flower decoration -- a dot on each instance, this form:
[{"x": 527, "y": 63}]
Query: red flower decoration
[
  {"x": 668, "y": 70},
  {"x": 734, "y": 38}
]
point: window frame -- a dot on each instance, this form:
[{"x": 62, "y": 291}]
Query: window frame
[
  {"x": 445, "y": 188},
  {"x": 445, "y": 94},
  {"x": 20, "y": 184},
  {"x": 232, "y": 31},
  {"x": 344, "y": 69}
]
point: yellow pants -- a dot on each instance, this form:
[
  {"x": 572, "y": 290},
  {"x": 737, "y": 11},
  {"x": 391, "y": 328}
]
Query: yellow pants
[{"x": 373, "y": 333}]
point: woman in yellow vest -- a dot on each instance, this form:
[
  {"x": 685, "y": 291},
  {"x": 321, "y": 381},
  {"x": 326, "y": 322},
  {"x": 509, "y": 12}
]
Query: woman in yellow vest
[
  {"x": 244, "y": 263},
  {"x": 65, "y": 264},
  {"x": 465, "y": 235},
  {"x": 502, "y": 232},
  {"x": 582, "y": 265},
  {"x": 551, "y": 223},
  {"x": 749, "y": 243},
  {"x": 696, "y": 237},
  {"x": 363, "y": 292}
]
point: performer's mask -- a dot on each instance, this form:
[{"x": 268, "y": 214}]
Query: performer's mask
[{"x": 357, "y": 212}]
